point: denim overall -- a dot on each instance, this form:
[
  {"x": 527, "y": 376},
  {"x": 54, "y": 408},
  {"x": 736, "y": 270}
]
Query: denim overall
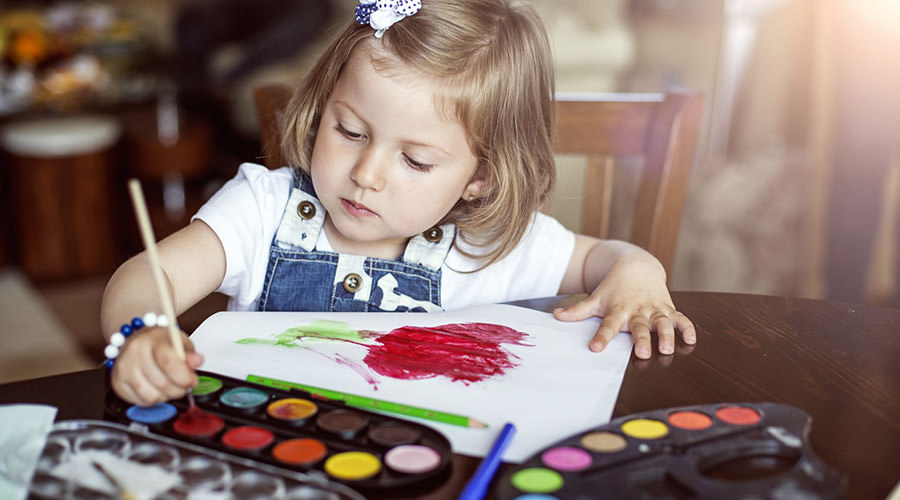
[{"x": 301, "y": 278}]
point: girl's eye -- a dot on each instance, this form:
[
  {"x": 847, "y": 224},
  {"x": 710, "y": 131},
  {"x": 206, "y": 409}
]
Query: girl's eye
[
  {"x": 415, "y": 165},
  {"x": 353, "y": 136}
]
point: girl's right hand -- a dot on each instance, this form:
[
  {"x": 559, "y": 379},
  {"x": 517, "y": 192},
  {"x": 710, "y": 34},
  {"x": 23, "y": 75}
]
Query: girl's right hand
[{"x": 148, "y": 370}]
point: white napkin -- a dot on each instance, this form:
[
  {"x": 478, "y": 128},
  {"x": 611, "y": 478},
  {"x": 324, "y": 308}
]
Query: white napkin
[{"x": 23, "y": 433}]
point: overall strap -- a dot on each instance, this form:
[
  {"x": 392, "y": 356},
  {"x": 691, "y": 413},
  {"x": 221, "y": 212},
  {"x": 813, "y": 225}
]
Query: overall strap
[
  {"x": 430, "y": 248},
  {"x": 303, "y": 216}
]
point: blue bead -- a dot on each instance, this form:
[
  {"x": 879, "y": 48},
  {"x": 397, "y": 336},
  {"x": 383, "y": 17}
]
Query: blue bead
[
  {"x": 109, "y": 363},
  {"x": 137, "y": 323},
  {"x": 125, "y": 330}
]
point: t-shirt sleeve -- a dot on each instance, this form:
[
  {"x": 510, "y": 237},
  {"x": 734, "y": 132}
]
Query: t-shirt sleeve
[
  {"x": 535, "y": 268},
  {"x": 245, "y": 214}
]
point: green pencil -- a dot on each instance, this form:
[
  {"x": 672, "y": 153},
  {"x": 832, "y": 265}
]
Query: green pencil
[{"x": 368, "y": 403}]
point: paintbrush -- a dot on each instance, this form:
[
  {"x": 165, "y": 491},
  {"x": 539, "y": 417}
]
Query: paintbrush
[
  {"x": 146, "y": 229},
  {"x": 121, "y": 489}
]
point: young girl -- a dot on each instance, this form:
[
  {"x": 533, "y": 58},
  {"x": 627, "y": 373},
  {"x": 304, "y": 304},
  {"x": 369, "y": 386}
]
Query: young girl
[{"x": 420, "y": 157}]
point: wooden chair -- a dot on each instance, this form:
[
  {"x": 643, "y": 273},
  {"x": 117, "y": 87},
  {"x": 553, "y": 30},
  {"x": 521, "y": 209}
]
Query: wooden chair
[
  {"x": 270, "y": 101},
  {"x": 660, "y": 128}
]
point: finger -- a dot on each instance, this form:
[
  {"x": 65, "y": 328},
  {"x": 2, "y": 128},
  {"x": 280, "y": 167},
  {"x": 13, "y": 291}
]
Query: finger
[
  {"x": 178, "y": 375},
  {"x": 640, "y": 331},
  {"x": 686, "y": 327},
  {"x": 609, "y": 328},
  {"x": 665, "y": 331},
  {"x": 128, "y": 394},
  {"x": 123, "y": 389},
  {"x": 193, "y": 359},
  {"x": 153, "y": 370},
  {"x": 188, "y": 343},
  {"x": 158, "y": 378},
  {"x": 133, "y": 385},
  {"x": 583, "y": 309},
  {"x": 146, "y": 393}
]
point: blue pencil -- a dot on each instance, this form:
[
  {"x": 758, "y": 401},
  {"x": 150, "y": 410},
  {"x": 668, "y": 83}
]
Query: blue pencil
[{"x": 477, "y": 486}]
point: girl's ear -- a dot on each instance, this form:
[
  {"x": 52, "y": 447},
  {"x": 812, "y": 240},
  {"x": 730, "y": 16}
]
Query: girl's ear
[
  {"x": 473, "y": 190},
  {"x": 476, "y": 186}
]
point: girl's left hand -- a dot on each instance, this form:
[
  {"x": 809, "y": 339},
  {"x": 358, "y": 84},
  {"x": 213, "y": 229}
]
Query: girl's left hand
[{"x": 632, "y": 298}]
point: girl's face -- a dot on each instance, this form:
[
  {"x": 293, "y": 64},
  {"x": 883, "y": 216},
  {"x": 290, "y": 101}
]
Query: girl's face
[{"x": 386, "y": 163}]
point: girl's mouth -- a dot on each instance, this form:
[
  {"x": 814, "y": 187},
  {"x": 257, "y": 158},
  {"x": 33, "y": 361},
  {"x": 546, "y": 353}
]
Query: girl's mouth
[{"x": 357, "y": 209}]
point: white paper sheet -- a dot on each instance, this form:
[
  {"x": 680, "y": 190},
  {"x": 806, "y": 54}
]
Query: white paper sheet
[{"x": 559, "y": 387}]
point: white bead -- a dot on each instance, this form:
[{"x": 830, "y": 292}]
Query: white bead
[
  {"x": 162, "y": 321},
  {"x": 117, "y": 339},
  {"x": 150, "y": 319},
  {"x": 111, "y": 351}
]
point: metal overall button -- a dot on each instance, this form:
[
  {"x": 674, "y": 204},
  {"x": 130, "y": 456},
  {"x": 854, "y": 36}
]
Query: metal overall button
[
  {"x": 306, "y": 210},
  {"x": 352, "y": 282},
  {"x": 434, "y": 234}
]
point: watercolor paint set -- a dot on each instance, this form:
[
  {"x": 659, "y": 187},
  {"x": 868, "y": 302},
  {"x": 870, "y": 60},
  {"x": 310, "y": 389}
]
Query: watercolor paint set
[
  {"x": 97, "y": 460},
  {"x": 293, "y": 430},
  {"x": 735, "y": 450}
]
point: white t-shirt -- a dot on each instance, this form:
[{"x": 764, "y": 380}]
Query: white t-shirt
[{"x": 246, "y": 211}]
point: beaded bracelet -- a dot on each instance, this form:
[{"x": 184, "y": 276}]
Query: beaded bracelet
[{"x": 117, "y": 339}]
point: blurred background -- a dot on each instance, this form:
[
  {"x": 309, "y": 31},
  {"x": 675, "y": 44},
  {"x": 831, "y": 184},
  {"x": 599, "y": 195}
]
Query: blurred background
[{"x": 795, "y": 188}]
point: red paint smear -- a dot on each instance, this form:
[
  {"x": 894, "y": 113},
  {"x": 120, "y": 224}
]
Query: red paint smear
[
  {"x": 469, "y": 352},
  {"x": 359, "y": 369},
  {"x": 197, "y": 423}
]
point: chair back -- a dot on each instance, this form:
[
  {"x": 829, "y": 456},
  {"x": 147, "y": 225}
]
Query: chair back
[
  {"x": 659, "y": 128},
  {"x": 270, "y": 102},
  {"x": 662, "y": 130}
]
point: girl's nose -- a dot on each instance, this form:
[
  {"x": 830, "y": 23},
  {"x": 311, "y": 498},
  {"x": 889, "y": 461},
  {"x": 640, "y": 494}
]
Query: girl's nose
[{"x": 369, "y": 170}]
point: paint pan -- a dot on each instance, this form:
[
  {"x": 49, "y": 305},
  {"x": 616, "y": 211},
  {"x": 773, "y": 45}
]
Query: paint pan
[
  {"x": 743, "y": 450},
  {"x": 391, "y": 434},
  {"x": 352, "y": 465},
  {"x": 207, "y": 387},
  {"x": 248, "y": 438},
  {"x": 302, "y": 452},
  {"x": 345, "y": 423},
  {"x": 412, "y": 458},
  {"x": 293, "y": 410},
  {"x": 154, "y": 454},
  {"x": 155, "y": 466},
  {"x": 251, "y": 484},
  {"x": 155, "y": 414},
  {"x": 243, "y": 398},
  {"x": 107, "y": 441},
  {"x": 194, "y": 423},
  {"x": 291, "y": 430}
]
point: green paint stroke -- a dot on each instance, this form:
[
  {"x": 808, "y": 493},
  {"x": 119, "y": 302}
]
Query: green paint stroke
[{"x": 322, "y": 329}]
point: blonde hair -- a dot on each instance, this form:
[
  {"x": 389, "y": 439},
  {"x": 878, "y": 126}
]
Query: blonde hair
[{"x": 493, "y": 60}]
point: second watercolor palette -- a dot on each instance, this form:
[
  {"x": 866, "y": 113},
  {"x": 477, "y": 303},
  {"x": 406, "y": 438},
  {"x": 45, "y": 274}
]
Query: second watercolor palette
[
  {"x": 96, "y": 460},
  {"x": 735, "y": 450},
  {"x": 295, "y": 431}
]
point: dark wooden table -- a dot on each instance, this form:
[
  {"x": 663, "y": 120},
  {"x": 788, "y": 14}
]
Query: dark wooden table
[{"x": 838, "y": 362}]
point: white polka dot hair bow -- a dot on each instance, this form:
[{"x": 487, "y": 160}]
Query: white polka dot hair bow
[{"x": 382, "y": 14}]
